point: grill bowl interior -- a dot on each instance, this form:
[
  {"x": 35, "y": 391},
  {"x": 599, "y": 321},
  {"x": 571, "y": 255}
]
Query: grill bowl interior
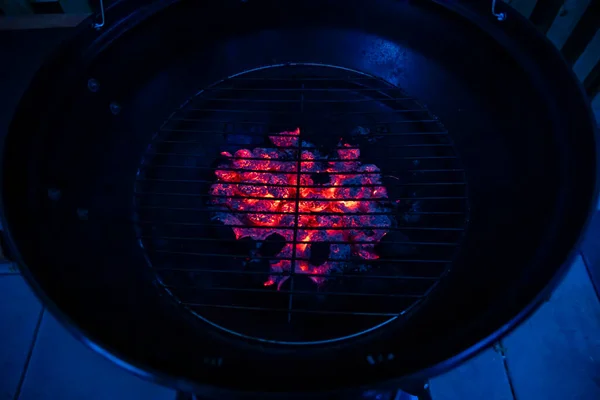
[
  {"x": 520, "y": 125},
  {"x": 415, "y": 229}
]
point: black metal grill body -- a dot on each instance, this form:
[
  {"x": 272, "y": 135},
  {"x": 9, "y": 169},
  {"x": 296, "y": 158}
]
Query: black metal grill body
[{"x": 77, "y": 160}]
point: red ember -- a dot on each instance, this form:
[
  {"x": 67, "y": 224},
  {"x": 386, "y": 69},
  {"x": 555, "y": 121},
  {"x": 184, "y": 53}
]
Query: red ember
[{"x": 268, "y": 199}]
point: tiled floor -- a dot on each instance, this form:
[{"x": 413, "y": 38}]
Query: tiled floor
[
  {"x": 20, "y": 313},
  {"x": 484, "y": 377},
  {"x": 69, "y": 370},
  {"x": 556, "y": 353},
  {"x": 40, "y": 360}
]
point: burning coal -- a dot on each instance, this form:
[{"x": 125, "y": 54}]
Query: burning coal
[{"x": 338, "y": 201}]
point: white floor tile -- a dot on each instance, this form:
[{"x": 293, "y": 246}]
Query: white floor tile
[
  {"x": 63, "y": 368},
  {"x": 19, "y": 314},
  {"x": 555, "y": 355},
  {"x": 481, "y": 378}
]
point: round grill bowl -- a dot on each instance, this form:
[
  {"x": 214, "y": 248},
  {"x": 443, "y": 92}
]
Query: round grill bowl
[{"x": 501, "y": 115}]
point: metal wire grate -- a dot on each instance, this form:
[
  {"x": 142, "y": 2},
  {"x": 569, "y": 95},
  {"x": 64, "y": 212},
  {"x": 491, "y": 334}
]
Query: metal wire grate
[{"x": 257, "y": 279}]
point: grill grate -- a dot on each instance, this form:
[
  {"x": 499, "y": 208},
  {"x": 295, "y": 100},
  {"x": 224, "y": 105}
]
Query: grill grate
[{"x": 220, "y": 276}]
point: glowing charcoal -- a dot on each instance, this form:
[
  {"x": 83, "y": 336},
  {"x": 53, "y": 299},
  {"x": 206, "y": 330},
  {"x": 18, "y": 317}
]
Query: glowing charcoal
[{"x": 257, "y": 189}]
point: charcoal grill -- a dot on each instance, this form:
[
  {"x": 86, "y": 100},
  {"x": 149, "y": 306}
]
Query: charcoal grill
[
  {"x": 128, "y": 202},
  {"x": 414, "y": 229}
]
